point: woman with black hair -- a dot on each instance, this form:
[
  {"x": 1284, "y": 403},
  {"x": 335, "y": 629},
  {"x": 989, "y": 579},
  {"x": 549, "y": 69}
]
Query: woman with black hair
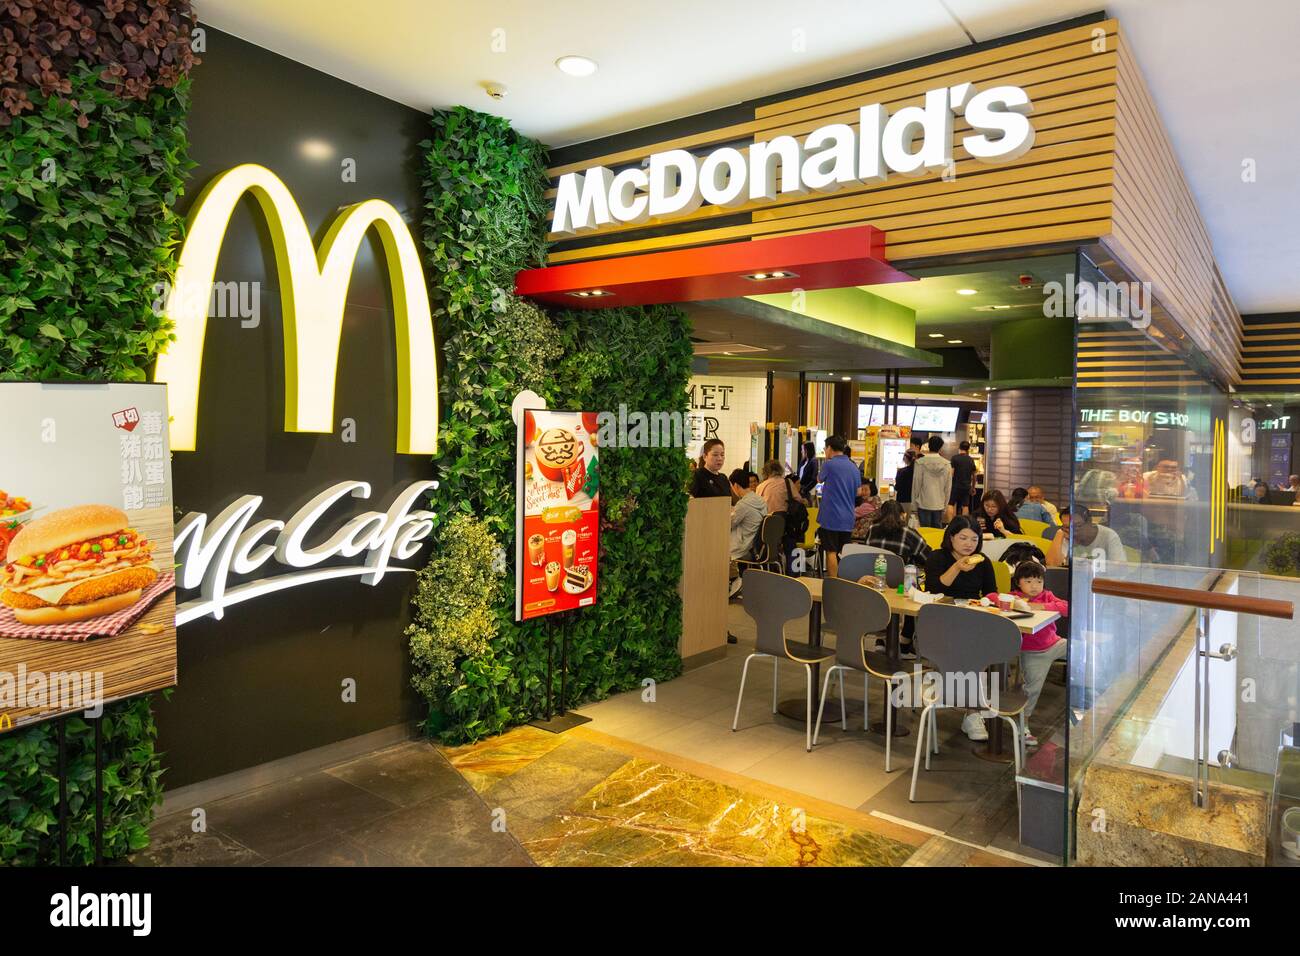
[
  {"x": 708, "y": 481},
  {"x": 807, "y": 469},
  {"x": 995, "y": 516},
  {"x": 959, "y": 570}
]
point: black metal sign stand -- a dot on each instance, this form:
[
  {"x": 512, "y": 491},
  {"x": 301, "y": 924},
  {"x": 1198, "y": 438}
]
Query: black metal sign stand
[
  {"x": 554, "y": 723},
  {"x": 62, "y": 735}
]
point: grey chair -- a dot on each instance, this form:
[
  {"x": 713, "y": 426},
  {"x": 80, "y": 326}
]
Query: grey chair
[
  {"x": 853, "y": 566},
  {"x": 854, "y": 612},
  {"x": 961, "y": 644},
  {"x": 769, "y": 556},
  {"x": 773, "y": 601}
]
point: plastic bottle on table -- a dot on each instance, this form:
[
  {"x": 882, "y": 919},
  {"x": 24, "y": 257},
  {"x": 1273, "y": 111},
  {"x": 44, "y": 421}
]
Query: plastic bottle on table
[
  {"x": 909, "y": 578},
  {"x": 882, "y": 566}
]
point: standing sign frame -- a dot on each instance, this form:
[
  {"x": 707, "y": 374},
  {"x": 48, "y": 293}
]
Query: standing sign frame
[{"x": 557, "y": 528}]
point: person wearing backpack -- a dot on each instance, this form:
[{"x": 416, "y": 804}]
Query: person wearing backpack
[{"x": 782, "y": 496}]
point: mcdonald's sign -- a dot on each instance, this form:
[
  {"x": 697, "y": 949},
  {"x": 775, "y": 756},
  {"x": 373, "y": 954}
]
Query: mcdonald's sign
[
  {"x": 313, "y": 288},
  {"x": 6, "y": 723}
]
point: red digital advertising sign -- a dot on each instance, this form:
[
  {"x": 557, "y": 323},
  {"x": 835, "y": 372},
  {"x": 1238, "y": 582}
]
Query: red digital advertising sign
[{"x": 557, "y": 513}]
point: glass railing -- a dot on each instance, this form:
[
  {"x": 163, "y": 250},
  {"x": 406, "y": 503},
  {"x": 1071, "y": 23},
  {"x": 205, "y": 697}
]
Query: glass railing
[{"x": 1189, "y": 672}]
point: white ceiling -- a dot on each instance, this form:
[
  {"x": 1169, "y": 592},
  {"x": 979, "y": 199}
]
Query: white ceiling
[{"x": 1223, "y": 74}]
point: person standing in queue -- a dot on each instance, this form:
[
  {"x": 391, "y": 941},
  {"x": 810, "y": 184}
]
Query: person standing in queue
[
  {"x": 932, "y": 485},
  {"x": 807, "y": 470},
  {"x": 963, "y": 479},
  {"x": 903, "y": 480},
  {"x": 840, "y": 482},
  {"x": 959, "y": 570},
  {"x": 708, "y": 481}
]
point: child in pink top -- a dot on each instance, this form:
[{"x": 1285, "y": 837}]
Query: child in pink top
[{"x": 1038, "y": 650}]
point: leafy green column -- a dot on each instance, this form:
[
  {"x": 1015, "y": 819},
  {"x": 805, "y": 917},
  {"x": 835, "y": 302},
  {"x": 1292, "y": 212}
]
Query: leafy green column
[
  {"x": 485, "y": 219},
  {"x": 93, "y": 154}
]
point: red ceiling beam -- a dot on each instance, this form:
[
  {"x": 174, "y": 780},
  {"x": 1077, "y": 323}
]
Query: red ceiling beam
[{"x": 832, "y": 259}]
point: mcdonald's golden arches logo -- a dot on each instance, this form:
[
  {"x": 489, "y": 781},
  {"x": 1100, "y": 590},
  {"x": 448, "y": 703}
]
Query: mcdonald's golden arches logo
[
  {"x": 6, "y": 723},
  {"x": 313, "y": 288}
]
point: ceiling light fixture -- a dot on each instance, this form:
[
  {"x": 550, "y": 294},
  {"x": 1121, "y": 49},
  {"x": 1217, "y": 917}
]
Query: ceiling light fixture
[
  {"x": 590, "y": 293},
  {"x": 1001, "y": 307},
  {"x": 576, "y": 65},
  {"x": 317, "y": 149},
  {"x": 925, "y": 381},
  {"x": 768, "y": 276},
  {"x": 846, "y": 378},
  {"x": 954, "y": 341},
  {"x": 967, "y": 291},
  {"x": 936, "y": 335}
]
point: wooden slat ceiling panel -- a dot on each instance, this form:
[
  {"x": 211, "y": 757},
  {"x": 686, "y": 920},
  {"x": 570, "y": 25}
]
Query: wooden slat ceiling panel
[
  {"x": 1158, "y": 233},
  {"x": 1059, "y": 191}
]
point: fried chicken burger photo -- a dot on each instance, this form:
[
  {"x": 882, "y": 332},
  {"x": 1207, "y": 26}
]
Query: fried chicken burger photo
[{"x": 75, "y": 564}]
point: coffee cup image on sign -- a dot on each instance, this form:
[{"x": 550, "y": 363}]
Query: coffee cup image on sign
[
  {"x": 569, "y": 544},
  {"x": 553, "y": 576},
  {"x": 536, "y": 550},
  {"x": 558, "y": 449},
  {"x": 75, "y": 564}
]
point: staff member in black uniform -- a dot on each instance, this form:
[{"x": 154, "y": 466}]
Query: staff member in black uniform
[
  {"x": 959, "y": 570},
  {"x": 708, "y": 480}
]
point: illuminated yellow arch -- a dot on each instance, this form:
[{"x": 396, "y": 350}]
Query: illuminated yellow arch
[{"x": 313, "y": 288}]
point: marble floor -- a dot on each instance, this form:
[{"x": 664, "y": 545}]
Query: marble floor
[
  {"x": 401, "y": 806},
  {"x": 657, "y": 778},
  {"x": 961, "y": 796}
]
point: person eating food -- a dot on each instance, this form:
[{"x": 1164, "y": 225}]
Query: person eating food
[{"x": 958, "y": 570}]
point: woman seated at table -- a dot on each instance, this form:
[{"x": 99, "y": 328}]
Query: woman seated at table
[
  {"x": 995, "y": 516},
  {"x": 865, "y": 511},
  {"x": 959, "y": 570},
  {"x": 889, "y": 531}
]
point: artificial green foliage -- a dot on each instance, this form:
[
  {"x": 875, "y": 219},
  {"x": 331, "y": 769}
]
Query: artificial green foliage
[
  {"x": 484, "y": 221},
  {"x": 29, "y": 787},
  {"x": 87, "y": 231},
  {"x": 454, "y": 606}
]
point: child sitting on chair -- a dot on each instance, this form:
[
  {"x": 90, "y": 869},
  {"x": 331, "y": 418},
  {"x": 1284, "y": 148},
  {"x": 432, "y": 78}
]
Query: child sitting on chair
[{"x": 1038, "y": 650}]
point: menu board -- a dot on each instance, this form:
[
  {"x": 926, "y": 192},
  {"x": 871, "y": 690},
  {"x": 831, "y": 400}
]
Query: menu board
[
  {"x": 87, "y": 591},
  {"x": 935, "y": 418},
  {"x": 557, "y": 512}
]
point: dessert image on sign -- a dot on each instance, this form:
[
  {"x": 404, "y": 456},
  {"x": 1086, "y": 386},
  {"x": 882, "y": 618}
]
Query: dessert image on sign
[
  {"x": 577, "y": 578},
  {"x": 75, "y": 564}
]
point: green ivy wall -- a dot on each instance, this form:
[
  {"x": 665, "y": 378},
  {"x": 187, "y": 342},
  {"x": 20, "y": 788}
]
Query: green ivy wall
[
  {"x": 92, "y": 157},
  {"x": 484, "y": 221}
]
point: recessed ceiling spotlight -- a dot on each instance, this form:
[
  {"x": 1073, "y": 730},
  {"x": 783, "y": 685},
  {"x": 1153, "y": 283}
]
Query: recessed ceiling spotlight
[
  {"x": 967, "y": 291},
  {"x": 954, "y": 341},
  {"x": 846, "y": 378},
  {"x": 936, "y": 335},
  {"x": 925, "y": 381},
  {"x": 576, "y": 65},
  {"x": 768, "y": 276},
  {"x": 1001, "y": 307},
  {"x": 590, "y": 293}
]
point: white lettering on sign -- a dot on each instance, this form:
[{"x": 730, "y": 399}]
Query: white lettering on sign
[
  {"x": 209, "y": 552},
  {"x": 677, "y": 182},
  {"x": 1136, "y": 416}
]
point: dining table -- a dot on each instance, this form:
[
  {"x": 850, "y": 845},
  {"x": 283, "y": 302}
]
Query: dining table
[{"x": 901, "y": 606}]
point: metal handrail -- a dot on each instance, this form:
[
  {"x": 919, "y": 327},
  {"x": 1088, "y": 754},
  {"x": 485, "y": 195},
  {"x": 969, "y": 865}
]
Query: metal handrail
[
  {"x": 1190, "y": 597},
  {"x": 1204, "y": 602}
]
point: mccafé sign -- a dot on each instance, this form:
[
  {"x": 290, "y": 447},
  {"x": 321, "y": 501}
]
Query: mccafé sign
[
  {"x": 314, "y": 285},
  {"x": 913, "y": 141}
]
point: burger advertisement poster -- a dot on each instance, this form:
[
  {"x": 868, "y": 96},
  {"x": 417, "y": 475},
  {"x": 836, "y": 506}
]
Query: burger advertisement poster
[
  {"x": 86, "y": 563},
  {"x": 558, "y": 512}
]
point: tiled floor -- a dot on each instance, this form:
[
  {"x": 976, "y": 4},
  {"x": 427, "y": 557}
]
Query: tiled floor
[
  {"x": 658, "y": 778},
  {"x": 402, "y": 806},
  {"x": 961, "y": 795}
]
